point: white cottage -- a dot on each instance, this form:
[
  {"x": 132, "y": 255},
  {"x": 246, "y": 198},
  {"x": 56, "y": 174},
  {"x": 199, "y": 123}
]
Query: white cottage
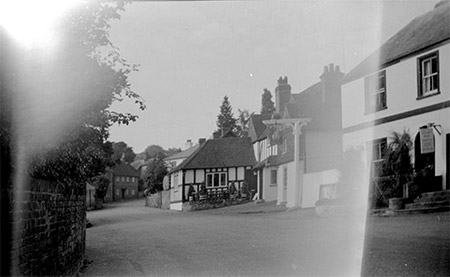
[{"x": 404, "y": 85}]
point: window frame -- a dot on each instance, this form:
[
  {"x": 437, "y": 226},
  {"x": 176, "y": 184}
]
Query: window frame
[
  {"x": 382, "y": 154},
  {"x": 374, "y": 91},
  {"x": 273, "y": 175},
  {"x": 420, "y": 78},
  {"x": 219, "y": 179}
]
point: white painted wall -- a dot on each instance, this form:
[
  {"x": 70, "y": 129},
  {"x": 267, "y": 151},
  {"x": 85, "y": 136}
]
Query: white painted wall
[
  {"x": 323, "y": 150},
  {"x": 401, "y": 90},
  {"x": 270, "y": 190},
  {"x": 412, "y": 124},
  {"x": 311, "y": 185},
  {"x": 200, "y": 175}
]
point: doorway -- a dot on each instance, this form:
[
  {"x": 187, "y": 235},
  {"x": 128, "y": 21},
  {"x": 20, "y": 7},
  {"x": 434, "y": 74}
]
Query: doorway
[{"x": 423, "y": 162}]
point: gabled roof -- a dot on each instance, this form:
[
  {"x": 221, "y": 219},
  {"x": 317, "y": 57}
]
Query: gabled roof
[
  {"x": 124, "y": 169},
  {"x": 257, "y": 127},
  {"x": 183, "y": 154},
  {"x": 221, "y": 152},
  {"x": 423, "y": 32}
]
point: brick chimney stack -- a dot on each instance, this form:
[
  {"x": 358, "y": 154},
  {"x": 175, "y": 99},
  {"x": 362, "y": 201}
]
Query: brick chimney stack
[
  {"x": 282, "y": 94},
  {"x": 188, "y": 144},
  {"x": 331, "y": 83}
]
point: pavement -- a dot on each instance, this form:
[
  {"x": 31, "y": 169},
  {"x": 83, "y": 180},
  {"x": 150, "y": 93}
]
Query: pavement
[{"x": 129, "y": 239}]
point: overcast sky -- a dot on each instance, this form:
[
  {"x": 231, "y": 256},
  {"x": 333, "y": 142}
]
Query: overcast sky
[{"x": 192, "y": 54}]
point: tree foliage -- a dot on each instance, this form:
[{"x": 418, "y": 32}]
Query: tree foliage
[
  {"x": 101, "y": 184},
  {"x": 122, "y": 150},
  {"x": 225, "y": 119},
  {"x": 242, "y": 122},
  {"x": 267, "y": 105},
  {"x": 154, "y": 174},
  {"x": 61, "y": 104}
]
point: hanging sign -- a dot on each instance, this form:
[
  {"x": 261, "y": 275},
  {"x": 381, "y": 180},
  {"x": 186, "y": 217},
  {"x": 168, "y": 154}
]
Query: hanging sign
[{"x": 426, "y": 141}]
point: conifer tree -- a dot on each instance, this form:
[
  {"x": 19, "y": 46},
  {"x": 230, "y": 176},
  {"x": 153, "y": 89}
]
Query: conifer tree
[
  {"x": 267, "y": 105},
  {"x": 225, "y": 119}
]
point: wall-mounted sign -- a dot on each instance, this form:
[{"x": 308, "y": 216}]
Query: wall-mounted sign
[{"x": 426, "y": 141}]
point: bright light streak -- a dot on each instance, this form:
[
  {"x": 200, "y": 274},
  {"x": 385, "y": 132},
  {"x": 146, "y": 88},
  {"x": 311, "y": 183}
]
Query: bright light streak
[{"x": 31, "y": 22}]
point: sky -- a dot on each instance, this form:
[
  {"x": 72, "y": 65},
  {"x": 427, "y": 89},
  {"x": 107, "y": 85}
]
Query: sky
[{"x": 192, "y": 54}]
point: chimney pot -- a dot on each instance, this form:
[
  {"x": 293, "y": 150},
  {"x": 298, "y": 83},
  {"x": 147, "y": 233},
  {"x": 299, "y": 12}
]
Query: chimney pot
[
  {"x": 331, "y": 65},
  {"x": 201, "y": 141}
]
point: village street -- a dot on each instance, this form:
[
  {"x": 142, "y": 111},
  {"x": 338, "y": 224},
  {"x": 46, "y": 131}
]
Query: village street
[{"x": 129, "y": 239}]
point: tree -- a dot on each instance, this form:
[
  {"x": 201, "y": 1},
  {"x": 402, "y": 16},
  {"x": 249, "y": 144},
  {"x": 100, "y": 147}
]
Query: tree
[
  {"x": 242, "y": 123},
  {"x": 267, "y": 105},
  {"x": 225, "y": 119},
  {"x": 154, "y": 174},
  {"x": 61, "y": 105},
  {"x": 398, "y": 161},
  {"x": 101, "y": 184},
  {"x": 121, "y": 149}
]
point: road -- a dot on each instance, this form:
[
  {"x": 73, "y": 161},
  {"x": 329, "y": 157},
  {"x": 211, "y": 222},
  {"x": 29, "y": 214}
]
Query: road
[{"x": 129, "y": 239}]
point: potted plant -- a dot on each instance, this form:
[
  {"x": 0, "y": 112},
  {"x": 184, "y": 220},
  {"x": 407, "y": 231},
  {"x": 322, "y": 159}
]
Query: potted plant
[
  {"x": 191, "y": 192},
  {"x": 203, "y": 192}
]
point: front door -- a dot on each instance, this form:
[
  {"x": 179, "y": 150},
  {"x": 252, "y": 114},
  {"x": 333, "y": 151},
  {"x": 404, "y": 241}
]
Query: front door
[{"x": 261, "y": 183}]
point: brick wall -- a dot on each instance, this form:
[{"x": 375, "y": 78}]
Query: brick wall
[{"x": 48, "y": 229}]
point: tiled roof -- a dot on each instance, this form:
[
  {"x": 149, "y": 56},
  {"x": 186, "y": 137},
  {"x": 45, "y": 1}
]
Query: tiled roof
[
  {"x": 183, "y": 154},
  {"x": 424, "y": 31},
  {"x": 221, "y": 152},
  {"x": 124, "y": 169},
  {"x": 257, "y": 127}
]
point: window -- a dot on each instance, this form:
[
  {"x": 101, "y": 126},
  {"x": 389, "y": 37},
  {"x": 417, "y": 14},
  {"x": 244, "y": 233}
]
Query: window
[
  {"x": 216, "y": 179},
  {"x": 117, "y": 178},
  {"x": 284, "y": 146},
  {"x": 375, "y": 92},
  {"x": 132, "y": 179},
  {"x": 428, "y": 75},
  {"x": 123, "y": 179},
  {"x": 285, "y": 177},
  {"x": 273, "y": 177},
  {"x": 132, "y": 192},
  {"x": 378, "y": 156}
]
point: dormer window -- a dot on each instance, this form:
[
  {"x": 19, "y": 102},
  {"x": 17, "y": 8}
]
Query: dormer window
[
  {"x": 428, "y": 75},
  {"x": 375, "y": 92}
]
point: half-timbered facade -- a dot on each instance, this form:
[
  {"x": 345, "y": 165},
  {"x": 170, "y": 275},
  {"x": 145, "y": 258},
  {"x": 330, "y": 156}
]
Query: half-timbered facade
[{"x": 217, "y": 163}]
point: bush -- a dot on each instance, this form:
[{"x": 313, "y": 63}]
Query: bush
[{"x": 101, "y": 184}]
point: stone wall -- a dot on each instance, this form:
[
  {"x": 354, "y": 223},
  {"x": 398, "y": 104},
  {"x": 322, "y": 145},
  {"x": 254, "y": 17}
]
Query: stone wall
[{"x": 48, "y": 229}]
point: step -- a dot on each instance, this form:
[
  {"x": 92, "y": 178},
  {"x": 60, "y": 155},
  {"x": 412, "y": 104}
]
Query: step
[
  {"x": 423, "y": 210},
  {"x": 431, "y": 199},
  {"x": 430, "y": 204},
  {"x": 436, "y": 193}
]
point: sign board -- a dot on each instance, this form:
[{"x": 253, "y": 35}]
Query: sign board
[{"x": 426, "y": 141}]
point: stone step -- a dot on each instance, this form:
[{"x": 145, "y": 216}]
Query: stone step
[
  {"x": 432, "y": 199},
  {"x": 436, "y": 193},
  {"x": 423, "y": 210},
  {"x": 430, "y": 204}
]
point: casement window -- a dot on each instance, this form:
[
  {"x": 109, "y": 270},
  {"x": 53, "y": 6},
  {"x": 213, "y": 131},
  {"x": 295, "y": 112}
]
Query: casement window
[
  {"x": 428, "y": 75},
  {"x": 273, "y": 177},
  {"x": 218, "y": 179},
  {"x": 285, "y": 177},
  {"x": 284, "y": 146},
  {"x": 375, "y": 87},
  {"x": 378, "y": 156}
]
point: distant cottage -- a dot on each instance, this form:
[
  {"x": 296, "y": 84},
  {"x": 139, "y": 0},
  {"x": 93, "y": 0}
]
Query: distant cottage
[{"x": 217, "y": 163}]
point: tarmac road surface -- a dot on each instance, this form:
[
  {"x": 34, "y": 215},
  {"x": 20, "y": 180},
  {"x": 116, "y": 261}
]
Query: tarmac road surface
[{"x": 129, "y": 239}]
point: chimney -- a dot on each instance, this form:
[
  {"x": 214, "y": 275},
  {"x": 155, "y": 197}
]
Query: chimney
[
  {"x": 201, "y": 141},
  {"x": 331, "y": 83},
  {"x": 188, "y": 144},
  {"x": 282, "y": 94}
]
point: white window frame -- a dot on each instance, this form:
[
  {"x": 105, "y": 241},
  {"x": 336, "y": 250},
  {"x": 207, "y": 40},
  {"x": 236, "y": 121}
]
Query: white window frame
[
  {"x": 376, "y": 96},
  {"x": 212, "y": 184},
  {"x": 428, "y": 82}
]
